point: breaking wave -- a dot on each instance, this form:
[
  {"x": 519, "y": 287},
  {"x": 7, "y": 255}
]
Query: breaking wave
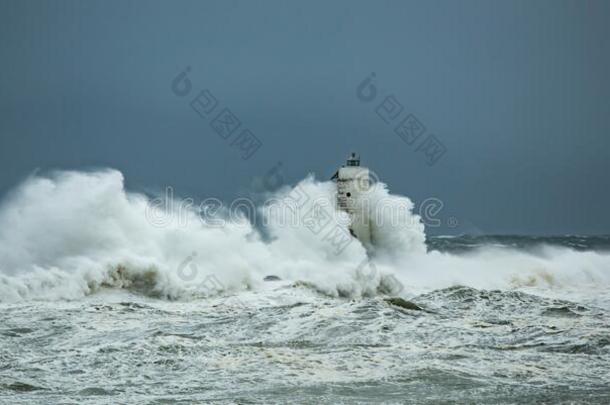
[{"x": 70, "y": 234}]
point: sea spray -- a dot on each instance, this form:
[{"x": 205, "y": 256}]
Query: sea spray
[{"x": 71, "y": 234}]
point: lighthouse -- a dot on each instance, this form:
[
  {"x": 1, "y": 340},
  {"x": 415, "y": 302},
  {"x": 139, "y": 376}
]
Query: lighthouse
[{"x": 353, "y": 182}]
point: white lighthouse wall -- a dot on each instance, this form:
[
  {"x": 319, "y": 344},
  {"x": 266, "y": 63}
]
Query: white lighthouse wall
[{"x": 352, "y": 188}]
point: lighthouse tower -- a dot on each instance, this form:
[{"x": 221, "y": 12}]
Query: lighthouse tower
[{"x": 353, "y": 183}]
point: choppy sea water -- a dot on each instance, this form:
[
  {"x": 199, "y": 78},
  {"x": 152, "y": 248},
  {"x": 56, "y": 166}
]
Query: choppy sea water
[
  {"x": 286, "y": 342},
  {"x": 106, "y": 297}
]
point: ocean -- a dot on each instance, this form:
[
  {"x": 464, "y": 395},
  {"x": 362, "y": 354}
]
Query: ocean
[{"x": 108, "y": 296}]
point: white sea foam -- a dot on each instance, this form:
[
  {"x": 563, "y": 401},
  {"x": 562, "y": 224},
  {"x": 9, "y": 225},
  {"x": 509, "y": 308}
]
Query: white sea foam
[{"x": 71, "y": 233}]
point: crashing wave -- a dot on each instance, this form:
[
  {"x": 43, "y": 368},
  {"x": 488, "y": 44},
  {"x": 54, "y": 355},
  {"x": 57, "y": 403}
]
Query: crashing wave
[{"x": 71, "y": 234}]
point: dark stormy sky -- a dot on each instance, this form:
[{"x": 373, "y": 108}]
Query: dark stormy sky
[{"x": 516, "y": 92}]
